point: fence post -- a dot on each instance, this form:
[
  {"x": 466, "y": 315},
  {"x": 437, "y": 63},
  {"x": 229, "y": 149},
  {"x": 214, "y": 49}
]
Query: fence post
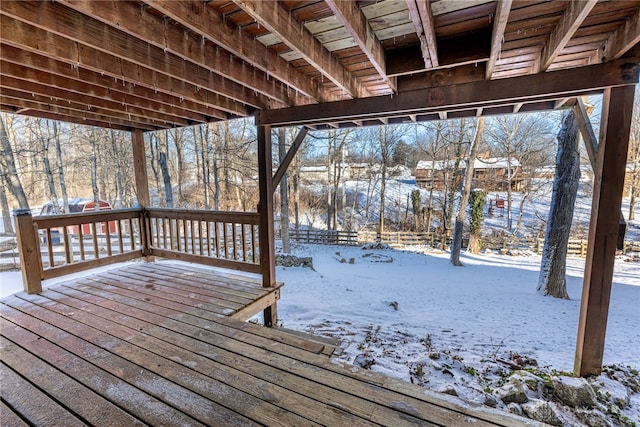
[
  {"x": 582, "y": 247},
  {"x": 29, "y": 251}
]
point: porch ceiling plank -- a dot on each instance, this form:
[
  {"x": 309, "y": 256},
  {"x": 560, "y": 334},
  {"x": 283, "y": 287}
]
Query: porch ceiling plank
[
  {"x": 497, "y": 34},
  {"x": 422, "y": 18},
  {"x": 624, "y": 38},
  {"x": 574, "y": 15},
  {"x": 43, "y": 28},
  {"x": 47, "y": 85},
  {"x": 33, "y": 100},
  {"x": 275, "y": 19},
  {"x": 208, "y": 23},
  {"x": 101, "y": 85},
  {"x": 187, "y": 45},
  {"x": 350, "y": 16},
  {"x": 528, "y": 88},
  {"x": 37, "y": 108}
]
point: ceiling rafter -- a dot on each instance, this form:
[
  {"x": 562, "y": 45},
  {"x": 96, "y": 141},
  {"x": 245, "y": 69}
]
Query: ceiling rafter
[
  {"x": 68, "y": 113},
  {"x": 624, "y": 38},
  {"x": 37, "y": 40},
  {"x": 61, "y": 117},
  {"x": 102, "y": 85},
  {"x": 572, "y": 18},
  {"x": 350, "y": 16},
  {"x": 78, "y": 34},
  {"x": 39, "y": 82},
  {"x": 187, "y": 45},
  {"x": 497, "y": 34},
  {"x": 422, "y": 18},
  {"x": 200, "y": 18},
  {"x": 292, "y": 33}
]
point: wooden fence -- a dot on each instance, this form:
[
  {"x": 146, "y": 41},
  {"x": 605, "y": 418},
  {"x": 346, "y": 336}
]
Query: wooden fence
[{"x": 576, "y": 247}]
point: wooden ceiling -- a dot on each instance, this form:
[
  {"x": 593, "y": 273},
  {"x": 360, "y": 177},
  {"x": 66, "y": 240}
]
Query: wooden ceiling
[{"x": 157, "y": 64}]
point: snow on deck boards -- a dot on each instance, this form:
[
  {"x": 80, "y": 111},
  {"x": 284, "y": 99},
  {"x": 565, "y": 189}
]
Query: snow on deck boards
[{"x": 150, "y": 344}]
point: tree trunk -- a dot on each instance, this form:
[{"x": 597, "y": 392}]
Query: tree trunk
[
  {"x": 284, "y": 194},
  {"x": 6, "y": 212},
  {"x": 94, "y": 171},
  {"x": 60, "y": 166},
  {"x": 48, "y": 172},
  {"x": 552, "y": 280},
  {"x": 456, "y": 244},
  {"x": 10, "y": 170},
  {"x": 478, "y": 199}
]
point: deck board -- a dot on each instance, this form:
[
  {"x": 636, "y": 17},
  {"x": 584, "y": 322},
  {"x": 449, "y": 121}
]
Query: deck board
[{"x": 108, "y": 347}]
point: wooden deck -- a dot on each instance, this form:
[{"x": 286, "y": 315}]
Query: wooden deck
[{"x": 157, "y": 344}]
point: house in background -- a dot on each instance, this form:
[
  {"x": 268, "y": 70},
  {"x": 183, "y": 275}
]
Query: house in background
[{"x": 495, "y": 173}]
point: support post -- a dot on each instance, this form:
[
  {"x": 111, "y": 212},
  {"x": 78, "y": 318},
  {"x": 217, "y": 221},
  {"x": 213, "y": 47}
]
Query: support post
[
  {"x": 29, "y": 251},
  {"x": 142, "y": 187},
  {"x": 265, "y": 209},
  {"x": 603, "y": 229}
]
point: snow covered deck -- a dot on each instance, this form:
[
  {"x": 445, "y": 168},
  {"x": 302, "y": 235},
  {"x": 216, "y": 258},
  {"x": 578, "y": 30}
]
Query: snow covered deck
[{"x": 157, "y": 344}]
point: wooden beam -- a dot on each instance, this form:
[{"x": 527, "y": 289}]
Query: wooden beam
[
  {"x": 274, "y": 18},
  {"x": 422, "y": 18},
  {"x": 140, "y": 168},
  {"x": 265, "y": 209},
  {"x": 572, "y": 18},
  {"x": 497, "y": 34},
  {"x": 350, "y": 16},
  {"x": 204, "y": 20},
  {"x": 624, "y": 38},
  {"x": 486, "y": 93},
  {"x": 188, "y": 45},
  {"x": 58, "y": 32},
  {"x": 603, "y": 231},
  {"x": 591, "y": 144},
  {"x": 288, "y": 158}
]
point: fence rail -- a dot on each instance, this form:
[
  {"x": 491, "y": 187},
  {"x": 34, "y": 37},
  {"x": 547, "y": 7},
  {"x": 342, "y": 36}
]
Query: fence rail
[{"x": 576, "y": 247}]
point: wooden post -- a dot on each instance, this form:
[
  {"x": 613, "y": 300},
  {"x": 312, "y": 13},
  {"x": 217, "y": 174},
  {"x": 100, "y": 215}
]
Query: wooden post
[
  {"x": 603, "y": 230},
  {"x": 29, "y": 251},
  {"x": 265, "y": 209},
  {"x": 142, "y": 188}
]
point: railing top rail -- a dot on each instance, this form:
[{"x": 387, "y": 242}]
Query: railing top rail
[
  {"x": 48, "y": 221},
  {"x": 220, "y": 216}
]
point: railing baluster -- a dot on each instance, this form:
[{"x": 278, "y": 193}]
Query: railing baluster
[
  {"x": 68, "y": 247},
  {"x": 81, "y": 242},
  {"x": 185, "y": 235},
  {"x": 108, "y": 236},
  {"x": 254, "y": 243},
  {"x": 131, "y": 235},
  {"x": 217, "y": 238},
  {"x": 226, "y": 239},
  {"x": 208, "y": 238},
  {"x": 120, "y": 243},
  {"x": 94, "y": 233},
  {"x": 50, "y": 248},
  {"x": 235, "y": 243},
  {"x": 244, "y": 242},
  {"x": 200, "y": 237},
  {"x": 193, "y": 237}
]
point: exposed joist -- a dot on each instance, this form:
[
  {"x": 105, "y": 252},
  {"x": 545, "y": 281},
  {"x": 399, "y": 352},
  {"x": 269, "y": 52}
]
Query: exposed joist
[
  {"x": 73, "y": 114},
  {"x": 486, "y": 93},
  {"x": 101, "y": 85},
  {"x": 292, "y": 33},
  {"x": 189, "y": 46},
  {"x": 422, "y": 18},
  {"x": 48, "y": 85},
  {"x": 497, "y": 34},
  {"x": 205, "y": 21},
  {"x": 36, "y": 40},
  {"x": 75, "y": 34},
  {"x": 574, "y": 15},
  {"x": 624, "y": 38},
  {"x": 349, "y": 15}
]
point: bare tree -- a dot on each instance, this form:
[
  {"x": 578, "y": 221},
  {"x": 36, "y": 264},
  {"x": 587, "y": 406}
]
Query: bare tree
[
  {"x": 60, "y": 166},
  {"x": 634, "y": 158},
  {"x": 456, "y": 244},
  {"x": 552, "y": 280},
  {"x": 10, "y": 174},
  {"x": 284, "y": 193}
]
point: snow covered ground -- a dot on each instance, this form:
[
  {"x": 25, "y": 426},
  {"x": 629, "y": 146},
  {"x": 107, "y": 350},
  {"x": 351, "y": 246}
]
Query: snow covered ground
[{"x": 410, "y": 314}]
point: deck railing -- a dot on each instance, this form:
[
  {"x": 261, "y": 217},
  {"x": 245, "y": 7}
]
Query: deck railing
[
  {"x": 223, "y": 239},
  {"x": 55, "y": 245}
]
